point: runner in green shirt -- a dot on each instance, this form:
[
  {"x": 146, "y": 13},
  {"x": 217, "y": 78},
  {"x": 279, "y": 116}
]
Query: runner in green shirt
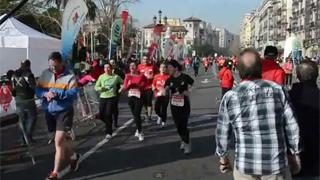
[{"x": 107, "y": 85}]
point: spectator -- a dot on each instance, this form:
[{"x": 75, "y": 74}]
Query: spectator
[
  {"x": 23, "y": 89},
  {"x": 86, "y": 78},
  {"x": 305, "y": 97},
  {"x": 270, "y": 69},
  {"x": 226, "y": 78},
  {"x": 288, "y": 68},
  {"x": 260, "y": 115}
]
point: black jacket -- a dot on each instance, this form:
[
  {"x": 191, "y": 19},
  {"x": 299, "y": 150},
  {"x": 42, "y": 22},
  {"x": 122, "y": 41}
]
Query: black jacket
[{"x": 305, "y": 97}]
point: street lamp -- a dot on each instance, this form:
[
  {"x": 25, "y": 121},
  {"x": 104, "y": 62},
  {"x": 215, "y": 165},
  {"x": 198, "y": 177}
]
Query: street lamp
[
  {"x": 154, "y": 20},
  {"x": 160, "y": 27},
  {"x": 289, "y": 29}
]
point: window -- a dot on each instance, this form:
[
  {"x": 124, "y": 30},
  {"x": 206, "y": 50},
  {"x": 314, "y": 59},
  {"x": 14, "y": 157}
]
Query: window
[
  {"x": 147, "y": 42},
  {"x": 190, "y": 25}
]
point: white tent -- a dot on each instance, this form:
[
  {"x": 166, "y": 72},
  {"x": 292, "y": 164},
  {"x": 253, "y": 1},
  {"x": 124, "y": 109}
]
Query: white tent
[{"x": 19, "y": 42}]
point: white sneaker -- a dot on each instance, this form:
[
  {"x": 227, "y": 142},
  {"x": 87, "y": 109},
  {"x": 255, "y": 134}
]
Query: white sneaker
[
  {"x": 187, "y": 148},
  {"x": 163, "y": 124},
  {"x": 141, "y": 137},
  {"x": 108, "y": 136},
  {"x": 159, "y": 120},
  {"x": 182, "y": 145},
  {"x": 136, "y": 134}
]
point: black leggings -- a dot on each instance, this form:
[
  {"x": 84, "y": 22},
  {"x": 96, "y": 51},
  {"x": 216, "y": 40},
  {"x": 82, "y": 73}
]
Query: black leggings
[
  {"x": 224, "y": 91},
  {"x": 136, "y": 105},
  {"x": 288, "y": 79},
  {"x": 106, "y": 109},
  {"x": 116, "y": 112},
  {"x": 161, "y": 106},
  {"x": 181, "y": 116}
]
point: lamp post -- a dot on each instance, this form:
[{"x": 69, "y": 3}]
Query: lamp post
[{"x": 161, "y": 26}]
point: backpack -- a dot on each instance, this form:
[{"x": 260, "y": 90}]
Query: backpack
[{"x": 23, "y": 86}]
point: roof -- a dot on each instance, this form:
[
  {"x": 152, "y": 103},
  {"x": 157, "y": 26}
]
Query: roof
[
  {"x": 192, "y": 19},
  {"x": 172, "y": 28}
]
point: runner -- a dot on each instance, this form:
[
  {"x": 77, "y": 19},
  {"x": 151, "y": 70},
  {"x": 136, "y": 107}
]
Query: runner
[
  {"x": 196, "y": 65},
  {"x": 162, "y": 99},
  {"x": 120, "y": 72},
  {"x": 107, "y": 85},
  {"x": 226, "y": 77},
  {"x": 179, "y": 85},
  {"x": 206, "y": 64},
  {"x": 135, "y": 84},
  {"x": 57, "y": 88},
  {"x": 147, "y": 69}
]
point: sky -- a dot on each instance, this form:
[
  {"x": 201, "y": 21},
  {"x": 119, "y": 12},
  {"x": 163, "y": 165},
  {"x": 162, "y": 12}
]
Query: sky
[{"x": 220, "y": 13}]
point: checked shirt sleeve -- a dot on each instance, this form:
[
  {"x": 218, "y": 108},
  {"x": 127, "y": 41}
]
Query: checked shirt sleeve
[
  {"x": 291, "y": 127},
  {"x": 223, "y": 129}
]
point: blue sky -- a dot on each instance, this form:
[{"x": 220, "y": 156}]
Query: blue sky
[{"x": 221, "y": 13}]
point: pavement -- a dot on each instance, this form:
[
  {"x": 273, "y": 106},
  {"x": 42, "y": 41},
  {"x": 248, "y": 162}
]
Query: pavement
[{"x": 124, "y": 157}]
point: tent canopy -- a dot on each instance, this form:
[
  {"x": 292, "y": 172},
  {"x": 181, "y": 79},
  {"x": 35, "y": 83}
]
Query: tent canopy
[{"x": 19, "y": 42}]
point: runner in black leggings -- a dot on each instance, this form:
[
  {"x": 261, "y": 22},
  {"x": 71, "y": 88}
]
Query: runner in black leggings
[
  {"x": 135, "y": 84},
  {"x": 162, "y": 99},
  {"x": 107, "y": 85},
  {"x": 179, "y": 85}
]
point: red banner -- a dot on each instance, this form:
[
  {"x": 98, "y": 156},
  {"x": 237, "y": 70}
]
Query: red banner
[{"x": 152, "y": 50}]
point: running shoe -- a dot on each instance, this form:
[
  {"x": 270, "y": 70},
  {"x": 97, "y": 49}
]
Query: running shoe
[
  {"x": 136, "y": 134},
  {"x": 163, "y": 124},
  {"x": 52, "y": 176},
  {"x": 141, "y": 137},
  {"x": 182, "y": 145},
  {"x": 187, "y": 148},
  {"x": 108, "y": 136},
  {"x": 74, "y": 164},
  {"x": 159, "y": 120}
]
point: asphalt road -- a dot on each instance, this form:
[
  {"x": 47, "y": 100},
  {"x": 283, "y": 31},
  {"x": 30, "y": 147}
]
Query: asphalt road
[{"x": 124, "y": 157}]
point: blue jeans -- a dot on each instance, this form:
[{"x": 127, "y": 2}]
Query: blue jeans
[{"x": 27, "y": 112}]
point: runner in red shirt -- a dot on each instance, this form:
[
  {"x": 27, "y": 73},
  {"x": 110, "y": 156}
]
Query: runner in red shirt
[
  {"x": 226, "y": 77},
  {"x": 135, "y": 84},
  {"x": 206, "y": 64},
  {"x": 162, "y": 99},
  {"x": 148, "y": 70}
]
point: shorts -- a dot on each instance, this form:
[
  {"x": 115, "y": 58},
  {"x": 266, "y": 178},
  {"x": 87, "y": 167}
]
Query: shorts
[
  {"x": 61, "y": 121},
  {"x": 148, "y": 96}
]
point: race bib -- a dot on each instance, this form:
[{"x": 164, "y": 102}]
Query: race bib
[
  {"x": 134, "y": 93},
  {"x": 177, "y": 100}
]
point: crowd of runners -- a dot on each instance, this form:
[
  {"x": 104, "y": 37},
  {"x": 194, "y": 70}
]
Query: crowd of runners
[{"x": 152, "y": 85}]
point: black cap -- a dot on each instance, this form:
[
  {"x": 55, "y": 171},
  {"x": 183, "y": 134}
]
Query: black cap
[
  {"x": 271, "y": 52},
  {"x": 55, "y": 56}
]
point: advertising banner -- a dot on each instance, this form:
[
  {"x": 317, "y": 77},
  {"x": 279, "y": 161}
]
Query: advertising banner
[{"x": 73, "y": 16}]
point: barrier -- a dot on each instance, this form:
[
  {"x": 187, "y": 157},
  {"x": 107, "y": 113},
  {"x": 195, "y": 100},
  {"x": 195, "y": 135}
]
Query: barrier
[{"x": 86, "y": 108}]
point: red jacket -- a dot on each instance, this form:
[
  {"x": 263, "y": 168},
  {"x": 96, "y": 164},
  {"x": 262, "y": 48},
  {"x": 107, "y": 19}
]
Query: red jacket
[
  {"x": 273, "y": 72},
  {"x": 226, "y": 78}
]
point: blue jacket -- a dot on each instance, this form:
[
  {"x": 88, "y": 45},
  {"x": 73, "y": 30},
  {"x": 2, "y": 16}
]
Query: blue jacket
[{"x": 65, "y": 86}]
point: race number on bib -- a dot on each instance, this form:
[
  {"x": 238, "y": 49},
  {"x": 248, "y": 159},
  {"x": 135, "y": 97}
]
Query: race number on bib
[
  {"x": 177, "y": 100},
  {"x": 134, "y": 93}
]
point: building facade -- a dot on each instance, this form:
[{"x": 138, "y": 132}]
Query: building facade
[
  {"x": 225, "y": 37},
  {"x": 305, "y": 21},
  {"x": 245, "y": 32},
  {"x": 274, "y": 21}
]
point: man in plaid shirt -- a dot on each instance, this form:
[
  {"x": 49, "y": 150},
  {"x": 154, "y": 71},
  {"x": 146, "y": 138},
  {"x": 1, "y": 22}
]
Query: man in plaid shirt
[{"x": 259, "y": 114}]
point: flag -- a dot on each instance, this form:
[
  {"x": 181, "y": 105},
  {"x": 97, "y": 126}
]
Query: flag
[
  {"x": 115, "y": 35},
  {"x": 73, "y": 16}
]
